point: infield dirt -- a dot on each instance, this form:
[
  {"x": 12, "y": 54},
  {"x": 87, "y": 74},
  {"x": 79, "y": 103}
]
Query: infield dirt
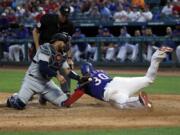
[{"x": 89, "y": 113}]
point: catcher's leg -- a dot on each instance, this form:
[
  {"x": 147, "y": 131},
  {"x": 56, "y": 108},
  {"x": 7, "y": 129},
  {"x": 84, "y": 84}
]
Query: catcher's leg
[
  {"x": 19, "y": 100},
  {"x": 54, "y": 94}
]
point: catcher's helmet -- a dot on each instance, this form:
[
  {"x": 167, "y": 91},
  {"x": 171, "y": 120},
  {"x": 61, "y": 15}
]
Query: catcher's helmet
[
  {"x": 86, "y": 68},
  {"x": 60, "y": 37}
]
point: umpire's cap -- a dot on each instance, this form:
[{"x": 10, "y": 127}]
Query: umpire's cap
[
  {"x": 65, "y": 10},
  {"x": 60, "y": 37}
]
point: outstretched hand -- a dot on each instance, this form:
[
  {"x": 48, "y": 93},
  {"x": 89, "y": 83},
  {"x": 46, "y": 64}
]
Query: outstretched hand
[{"x": 84, "y": 80}]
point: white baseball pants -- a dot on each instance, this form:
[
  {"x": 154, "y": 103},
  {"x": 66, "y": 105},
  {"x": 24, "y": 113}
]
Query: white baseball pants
[{"x": 121, "y": 89}]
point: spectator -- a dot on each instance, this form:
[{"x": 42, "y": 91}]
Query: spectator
[
  {"x": 176, "y": 8},
  {"x": 94, "y": 12},
  {"x": 105, "y": 12},
  {"x": 50, "y": 6},
  {"x": 146, "y": 15},
  {"x": 149, "y": 45},
  {"x": 4, "y": 46},
  {"x": 100, "y": 31},
  {"x": 126, "y": 48},
  {"x": 102, "y": 8},
  {"x": 4, "y": 20},
  {"x": 176, "y": 33},
  {"x": 143, "y": 30},
  {"x": 80, "y": 51},
  {"x": 169, "y": 42},
  {"x": 138, "y": 3},
  {"x": 85, "y": 6},
  {"x": 167, "y": 9},
  {"x": 133, "y": 14},
  {"x": 94, "y": 48},
  {"x": 135, "y": 48},
  {"x": 17, "y": 51},
  {"x": 121, "y": 15},
  {"x": 108, "y": 47},
  {"x": 5, "y": 3}
]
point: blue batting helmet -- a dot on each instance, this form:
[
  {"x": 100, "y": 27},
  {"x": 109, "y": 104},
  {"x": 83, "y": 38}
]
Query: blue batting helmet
[{"x": 86, "y": 68}]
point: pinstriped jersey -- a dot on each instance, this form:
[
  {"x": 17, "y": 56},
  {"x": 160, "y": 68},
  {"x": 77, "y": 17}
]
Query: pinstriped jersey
[{"x": 47, "y": 53}]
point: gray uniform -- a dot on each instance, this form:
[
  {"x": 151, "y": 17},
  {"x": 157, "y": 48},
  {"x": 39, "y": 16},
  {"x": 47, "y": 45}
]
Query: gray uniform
[{"x": 34, "y": 82}]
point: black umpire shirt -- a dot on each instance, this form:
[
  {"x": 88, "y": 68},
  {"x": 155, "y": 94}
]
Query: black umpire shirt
[{"x": 50, "y": 24}]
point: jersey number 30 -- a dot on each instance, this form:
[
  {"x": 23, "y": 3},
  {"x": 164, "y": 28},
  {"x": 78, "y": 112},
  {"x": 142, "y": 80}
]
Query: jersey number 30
[{"x": 98, "y": 79}]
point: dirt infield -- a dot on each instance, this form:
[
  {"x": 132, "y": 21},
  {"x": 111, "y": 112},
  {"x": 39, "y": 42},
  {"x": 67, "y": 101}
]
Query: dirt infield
[{"x": 89, "y": 113}]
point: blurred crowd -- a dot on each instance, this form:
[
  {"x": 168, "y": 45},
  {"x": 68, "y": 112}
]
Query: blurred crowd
[
  {"x": 110, "y": 51},
  {"x": 17, "y": 18},
  {"x": 125, "y": 51},
  {"x": 29, "y": 12}
]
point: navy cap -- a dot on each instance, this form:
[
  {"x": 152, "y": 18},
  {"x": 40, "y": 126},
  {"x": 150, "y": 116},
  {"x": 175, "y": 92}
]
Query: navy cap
[
  {"x": 143, "y": 27},
  {"x": 65, "y": 10},
  {"x": 77, "y": 30},
  {"x": 106, "y": 30}
]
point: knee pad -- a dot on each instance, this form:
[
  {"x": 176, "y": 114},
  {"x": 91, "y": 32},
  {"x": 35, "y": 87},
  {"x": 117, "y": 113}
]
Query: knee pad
[{"x": 15, "y": 102}]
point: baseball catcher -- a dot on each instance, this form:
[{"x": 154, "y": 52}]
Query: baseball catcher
[
  {"x": 118, "y": 91},
  {"x": 49, "y": 58}
]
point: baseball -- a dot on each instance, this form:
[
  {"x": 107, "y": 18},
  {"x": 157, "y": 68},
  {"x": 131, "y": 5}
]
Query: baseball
[
  {"x": 90, "y": 79},
  {"x": 149, "y": 105}
]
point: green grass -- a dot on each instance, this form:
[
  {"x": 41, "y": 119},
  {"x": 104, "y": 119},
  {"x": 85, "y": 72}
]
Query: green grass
[
  {"x": 143, "y": 131},
  {"x": 10, "y": 81}
]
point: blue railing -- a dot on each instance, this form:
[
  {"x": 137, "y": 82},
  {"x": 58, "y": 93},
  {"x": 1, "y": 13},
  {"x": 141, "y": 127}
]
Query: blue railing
[{"x": 98, "y": 41}]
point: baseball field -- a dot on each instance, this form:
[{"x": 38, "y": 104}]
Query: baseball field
[{"x": 90, "y": 116}]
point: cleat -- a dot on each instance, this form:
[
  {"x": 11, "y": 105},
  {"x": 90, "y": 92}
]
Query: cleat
[
  {"x": 161, "y": 52},
  {"x": 8, "y": 104},
  {"x": 42, "y": 100},
  {"x": 165, "y": 49},
  {"x": 144, "y": 100}
]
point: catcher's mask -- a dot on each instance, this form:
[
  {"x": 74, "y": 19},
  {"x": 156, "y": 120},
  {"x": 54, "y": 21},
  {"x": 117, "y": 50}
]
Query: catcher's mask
[
  {"x": 63, "y": 36},
  {"x": 87, "y": 68}
]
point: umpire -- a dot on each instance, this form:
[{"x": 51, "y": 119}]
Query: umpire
[{"x": 49, "y": 25}]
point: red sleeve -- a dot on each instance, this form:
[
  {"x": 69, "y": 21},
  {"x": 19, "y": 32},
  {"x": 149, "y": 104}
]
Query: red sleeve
[{"x": 74, "y": 97}]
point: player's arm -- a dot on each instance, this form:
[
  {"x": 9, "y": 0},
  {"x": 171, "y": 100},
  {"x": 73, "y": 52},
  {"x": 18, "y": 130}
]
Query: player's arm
[
  {"x": 73, "y": 75},
  {"x": 46, "y": 71},
  {"x": 69, "y": 72},
  {"x": 35, "y": 33},
  {"x": 38, "y": 28},
  {"x": 69, "y": 59}
]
